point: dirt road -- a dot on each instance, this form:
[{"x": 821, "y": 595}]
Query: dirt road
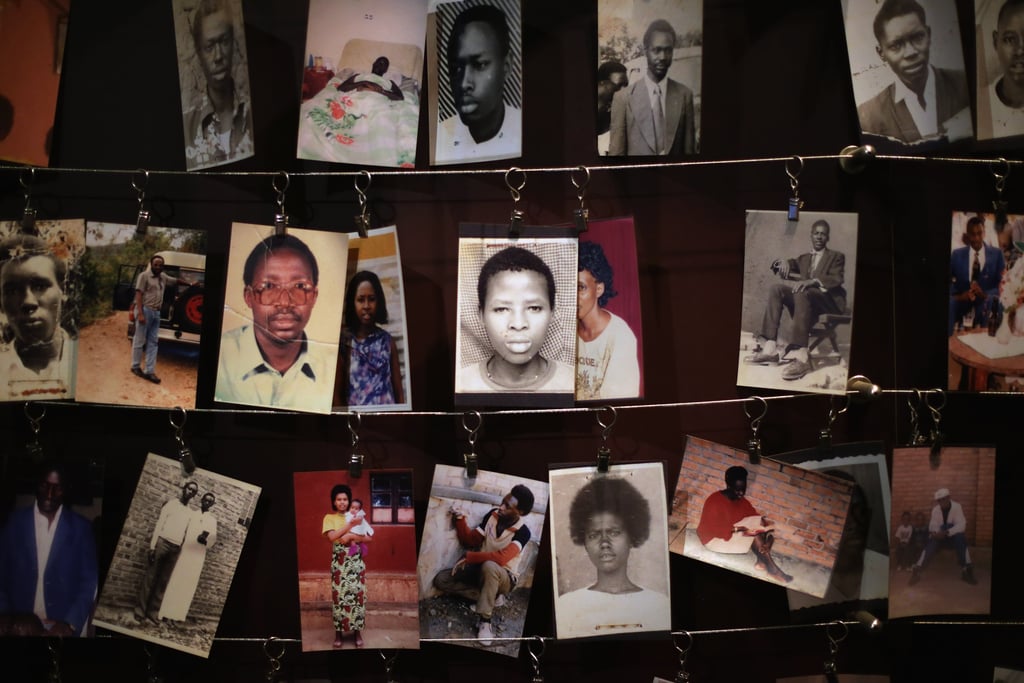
[{"x": 104, "y": 369}]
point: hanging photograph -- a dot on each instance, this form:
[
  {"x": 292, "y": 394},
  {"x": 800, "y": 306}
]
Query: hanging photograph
[
  {"x": 355, "y": 539},
  {"x": 176, "y": 556},
  {"x": 907, "y": 66},
  {"x": 999, "y": 39},
  {"x": 649, "y": 59},
  {"x": 32, "y": 36},
  {"x": 477, "y": 557},
  {"x": 361, "y": 83},
  {"x": 141, "y": 315},
  {"x": 213, "y": 72},
  {"x": 986, "y": 289},
  {"x": 609, "y": 337},
  {"x": 40, "y": 295},
  {"x": 771, "y": 521},
  {"x": 860, "y": 576},
  {"x": 278, "y": 348},
  {"x": 373, "y": 366},
  {"x": 475, "y": 49},
  {"x": 609, "y": 550},
  {"x": 516, "y": 342},
  {"x": 48, "y": 546},
  {"x": 844, "y": 677},
  {"x": 798, "y": 293},
  {"x": 947, "y": 500}
]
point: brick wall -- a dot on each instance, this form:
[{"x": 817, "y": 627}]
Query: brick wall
[
  {"x": 968, "y": 473},
  {"x": 808, "y": 509}
]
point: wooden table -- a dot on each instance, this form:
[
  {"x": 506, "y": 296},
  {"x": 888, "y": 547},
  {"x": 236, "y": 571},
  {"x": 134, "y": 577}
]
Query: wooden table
[{"x": 978, "y": 367}]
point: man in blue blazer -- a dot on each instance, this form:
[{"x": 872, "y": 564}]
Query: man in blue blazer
[
  {"x": 638, "y": 128},
  {"x": 48, "y": 561},
  {"x": 975, "y": 272}
]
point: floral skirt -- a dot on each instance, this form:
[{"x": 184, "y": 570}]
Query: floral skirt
[{"x": 348, "y": 589}]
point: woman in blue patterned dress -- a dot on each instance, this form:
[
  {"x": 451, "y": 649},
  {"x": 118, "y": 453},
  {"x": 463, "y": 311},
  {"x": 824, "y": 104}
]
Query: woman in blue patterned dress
[{"x": 369, "y": 355}]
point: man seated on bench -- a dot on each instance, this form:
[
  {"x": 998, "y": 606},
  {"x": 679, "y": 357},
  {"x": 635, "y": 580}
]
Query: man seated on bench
[{"x": 812, "y": 284}]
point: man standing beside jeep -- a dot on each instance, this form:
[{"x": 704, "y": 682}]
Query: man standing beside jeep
[{"x": 149, "y": 298}]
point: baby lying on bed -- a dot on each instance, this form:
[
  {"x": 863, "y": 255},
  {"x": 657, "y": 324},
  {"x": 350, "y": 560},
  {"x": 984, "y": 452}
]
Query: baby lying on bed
[{"x": 373, "y": 81}]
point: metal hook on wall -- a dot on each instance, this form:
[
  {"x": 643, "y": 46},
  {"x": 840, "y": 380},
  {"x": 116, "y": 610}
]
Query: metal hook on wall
[
  {"x": 389, "y": 665},
  {"x": 825, "y": 435},
  {"x": 273, "y": 657},
  {"x": 935, "y": 437},
  {"x": 28, "y": 217},
  {"x": 33, "y": 448},
  {"x": 754, "y": 442},
  {"x": 833, "y": 648},
  {"x": 139, "y": 182},
  {"x": 355, "y": 461},
  {"x": 515, "y": 225},
  {"x": 604, "y": 454},
  {"x": 363, "y": 219},
  {"x": 535, "y": 656},
  {"x": 581, "y": 214},
  {"x": 1000, "y": 205},
  {"x": 795, "y": 203},
  {"x": 683, "y": 651},
  {"x": 177, "y": 418},
  {"x": 471, "y": 423},
  {"x": 280, "y": 185}
]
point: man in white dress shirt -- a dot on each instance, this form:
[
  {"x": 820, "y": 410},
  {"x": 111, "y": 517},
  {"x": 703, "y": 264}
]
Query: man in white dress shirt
[{"x": 164, "y": 549}]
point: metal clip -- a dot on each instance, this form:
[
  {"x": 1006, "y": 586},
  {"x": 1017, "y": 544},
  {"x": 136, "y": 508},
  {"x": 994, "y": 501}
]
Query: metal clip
[
  {"x": 795, "y": 203},
  {"x": 535, "y": 656},
  {"x": 515, "y": 225},
  {"x": 581, "y": 214},
  {"x": 363, "y": 219},
  {"x": 188, "y": 461},
  {"x": 754, "y": 442},
  {"x": 825, "y": 435},
  {"x": 355, "y": 460},
  {"x": 152, "y": 676},
  {"x": 469, "y": 460},
  {"x": 280, "y": 185},
  {"x": 273, "y": 658},
  {"x": 53, "y": 647},
  {"x": 935, "y": 437},
  {"x": 1000, "y": 205},
  {"x": 682, "y": 676},
  {"x": 604, "y": 454},
  {"x": 142, "y": 221},
  {"x": 33, "y": 448},
  {"x": 833, "y": 649},
  {"x": 28, "y": 218},
  {"x": 389, "y": 666},
  {"x": 914, "y": 401}
]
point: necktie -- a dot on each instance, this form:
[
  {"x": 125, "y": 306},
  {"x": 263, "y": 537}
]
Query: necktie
[
  {"x": 815, "y": 257},
  {"x": 976, "y": 268},
  {"x": 659, "y": 122}
]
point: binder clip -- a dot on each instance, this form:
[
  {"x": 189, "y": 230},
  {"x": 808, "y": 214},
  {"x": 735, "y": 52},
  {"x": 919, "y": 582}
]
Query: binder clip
[
  {"x": 188, "y": 461},
  {"x": 604, "y": 454},
  {"x": 1000, "y": 205},
  {"x": 795, "y": 203},
  {"x": 142, "y": 220},
  {"x": 754, "y": 442},
  {"x": 363, "y": 217},
  {"x": 28, "y": 217},
  {"x": 581, "y": 214},
  {"x": 515, "y": 225},
  {"x": 280, "y": 185},
  {"x": 355, "y": 460},
  {"x": 470, "y": 460}
]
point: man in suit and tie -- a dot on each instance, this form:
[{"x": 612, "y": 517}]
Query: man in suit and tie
[
  {"x": 924, "y": 102},
  {"x": 812, "y": 285},
  {"x": 975, "y": 272},
  {"x": 653, "y": 115}
]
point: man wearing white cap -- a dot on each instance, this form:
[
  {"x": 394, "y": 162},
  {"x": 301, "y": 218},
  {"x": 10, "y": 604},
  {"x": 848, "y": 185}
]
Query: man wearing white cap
[{"x": 947, "y": 525}]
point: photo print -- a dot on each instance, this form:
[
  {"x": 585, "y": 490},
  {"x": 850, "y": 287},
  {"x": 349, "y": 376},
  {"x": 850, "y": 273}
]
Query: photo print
[
  {"x": 1004, "y": 675},
  {"x": 860, "y": 576},
  {"x": 373, "y": 366},
  {"x": 213, "y": 72},
  {"x": 475, "y": 49},
  {"x": 477, "y": 557},
  {"x": 947, "y": 501},
  {"x": 355, "y": 539},
  {"x": 609, "y": 336},
  {"x": 986, "y": 274},
  {"x": 176, "y": 556},
  {"x": 609, "y": 550},
  {"x": 516, "y": 342},
  {"x": 907, "y": 66},
  {"x": 771, "y": 521},
  {"x": 40, "y": 296},
  {"x": 798, "y": 293},
  {"x": 845, "y": 677},
  {"x": 279, "y": 349},
  {"x": 50, "y": 519},
  {"x": 999, "y": 35},
  {"x": 164, "y": 273},
  {"x": 361, "y": 84},
  {"x": 649, "y": 61}
]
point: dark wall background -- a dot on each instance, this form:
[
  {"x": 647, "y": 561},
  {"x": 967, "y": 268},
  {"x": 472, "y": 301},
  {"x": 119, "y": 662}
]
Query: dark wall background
[{"x": 775, "y": 83}]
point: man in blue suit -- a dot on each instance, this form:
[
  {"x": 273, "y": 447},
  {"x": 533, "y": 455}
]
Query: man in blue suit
[
  {"x": 48, "y": 561},
  {"x": 975, "y": 272},
  {"x": 653, "y": 115}
]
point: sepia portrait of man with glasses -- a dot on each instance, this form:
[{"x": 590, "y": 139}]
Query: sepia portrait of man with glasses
[{"x": 270, "y": 360}]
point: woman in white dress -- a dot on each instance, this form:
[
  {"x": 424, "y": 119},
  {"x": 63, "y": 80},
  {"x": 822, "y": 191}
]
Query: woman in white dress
[{"x": 199, "y": 537}]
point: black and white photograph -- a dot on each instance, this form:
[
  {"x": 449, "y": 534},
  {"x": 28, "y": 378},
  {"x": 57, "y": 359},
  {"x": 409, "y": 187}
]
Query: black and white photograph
[
  {"x": 49, "y": 544},
  {"x": 609, "y": 550},
  {"x": 176, "y": 556},
  {"x": 999, "y": 41},
  {"x": 478, "y": 556},
  {"x": 907, "y": 66},
  {"x": 754, "y": 519},
  {"x": 798, "y": 293},
  {"x": 1001, "y": 674},
  {"x": 986, "y": 289},
  {"x": 40, "y": 293},
  {"x": 361, "y": 82},
  {"x": 516, "y": 341},
  {"x": 948, "y": 504},
  {"x": 650, "y": 56},
  {"x": 373, "y": 366},
  {"x": 476, "y": 111},
  {"x": 141, "y": 315},
  {"x": 860, "y": 577},
  {"x": 213, "y": 72},
  {"x": 278, "y": 348}
]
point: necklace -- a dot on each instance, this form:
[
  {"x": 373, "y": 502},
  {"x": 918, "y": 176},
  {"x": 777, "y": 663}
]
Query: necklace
[{"x": 517, "y": 385}]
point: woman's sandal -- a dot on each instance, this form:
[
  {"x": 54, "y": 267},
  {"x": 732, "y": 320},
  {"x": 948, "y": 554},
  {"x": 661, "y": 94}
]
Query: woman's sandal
[
  {"x": 359, "y": 640},
  {"x": 337, "y": 643}
]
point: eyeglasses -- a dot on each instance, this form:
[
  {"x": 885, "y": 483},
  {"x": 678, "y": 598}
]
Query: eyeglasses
[
  {"x": 273, "y": 293},
  {"x": 918, "y": 39}
]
